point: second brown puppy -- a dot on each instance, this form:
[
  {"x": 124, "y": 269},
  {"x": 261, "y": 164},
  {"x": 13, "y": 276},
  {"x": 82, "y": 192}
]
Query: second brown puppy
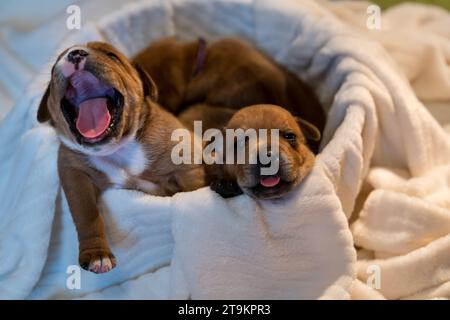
[
  {"x": 289, "y": 156},
  {"x": 228, "y": 73}
]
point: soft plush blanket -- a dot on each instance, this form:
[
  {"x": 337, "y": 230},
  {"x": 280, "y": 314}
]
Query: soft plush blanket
[
  {"x": 384, "y": 163},
  {"x": 404, "y": 217}
]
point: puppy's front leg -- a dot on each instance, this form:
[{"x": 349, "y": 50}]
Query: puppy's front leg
[
  {"x": 225, "y": 186},
  {"x": 82, "y": 196}
]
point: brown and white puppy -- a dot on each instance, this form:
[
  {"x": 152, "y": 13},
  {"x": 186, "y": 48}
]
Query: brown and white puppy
[
  {"x": 294, "y": 158},
  {"x": 228, "y": 73},
  {"x": 113, "y": 134}
]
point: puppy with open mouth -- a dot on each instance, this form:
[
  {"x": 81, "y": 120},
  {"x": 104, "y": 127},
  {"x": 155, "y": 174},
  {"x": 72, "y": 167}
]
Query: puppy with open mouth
[
  {"x": 294, "y": 160},
  {"x": 113, "y": 134}
]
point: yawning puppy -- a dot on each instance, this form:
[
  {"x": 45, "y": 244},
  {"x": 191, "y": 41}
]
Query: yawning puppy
[
  {"x": 113, "y": 135},
  {"x": 293, "y": 158}
]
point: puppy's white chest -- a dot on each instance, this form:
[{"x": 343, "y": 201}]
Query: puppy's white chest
[{"x": 123, "y": 165}]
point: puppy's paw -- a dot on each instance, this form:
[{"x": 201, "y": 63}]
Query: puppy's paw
[
  {"x": 226, "y": 188},
  {"x": 97, "y": 260}
]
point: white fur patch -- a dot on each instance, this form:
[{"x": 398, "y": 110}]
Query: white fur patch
[
  {"x": 122, "y": 165},
  {"x": 121, "y": 162},
  {"x": 146, "y": 186}
]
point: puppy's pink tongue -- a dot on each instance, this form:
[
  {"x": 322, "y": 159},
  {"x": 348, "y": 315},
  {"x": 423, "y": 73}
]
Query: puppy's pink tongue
[
  {"x": 93, "y": 118},
  {"x": 270, "y": 181}
]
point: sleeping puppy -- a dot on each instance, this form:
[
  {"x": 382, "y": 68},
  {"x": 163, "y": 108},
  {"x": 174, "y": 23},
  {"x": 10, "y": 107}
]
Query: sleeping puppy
[
  {"x": 294, "y": 158},
  {"x": 228, "y": 73},
  {"x": 113, "y": 134},
  {"x": 212, "y": 117}
]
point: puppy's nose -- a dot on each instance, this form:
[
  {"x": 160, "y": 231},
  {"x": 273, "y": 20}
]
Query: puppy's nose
[
  {"x": 76, "y": 56},
  {"x": 268, "y": 163}
]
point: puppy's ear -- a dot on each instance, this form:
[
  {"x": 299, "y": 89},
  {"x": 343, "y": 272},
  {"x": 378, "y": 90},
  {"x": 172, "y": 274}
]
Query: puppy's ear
[
  {"x": 43, "y": 115},
  {"x": 147, "y": 82},
  {"x": 308, "y": 129}
]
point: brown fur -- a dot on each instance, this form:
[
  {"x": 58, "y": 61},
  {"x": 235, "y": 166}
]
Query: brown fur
[
  {"x": 296, "y": 159},
  {"x": 211, "y": 116},
  {"x": 142, "y": 120},
  {"x": 234, "y": 75}
]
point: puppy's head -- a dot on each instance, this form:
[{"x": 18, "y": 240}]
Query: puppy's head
[
  {"x": 95, "y": 98},
  {"x": 288, "y": 158}
]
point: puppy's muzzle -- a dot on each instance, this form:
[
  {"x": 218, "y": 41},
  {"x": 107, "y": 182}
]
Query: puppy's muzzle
[
  {"x": 73, "y": 60},
  {"x": 270, "y": 177},
  {"x": 91, "y": 106},
  {"x": 262, "y": 169}
]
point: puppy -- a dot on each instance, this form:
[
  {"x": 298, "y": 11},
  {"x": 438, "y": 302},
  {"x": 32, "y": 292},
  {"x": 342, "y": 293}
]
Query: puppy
[
  {"x": 294, "y": 158},
  {"x": 228, "y": 73},
  {"x": 113, "y": 134},
  {"x": 210, "y": 116}
]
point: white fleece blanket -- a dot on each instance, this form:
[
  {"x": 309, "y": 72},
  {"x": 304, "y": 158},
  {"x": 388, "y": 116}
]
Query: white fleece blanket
[
  {"x": 197, "y": 245},
  {"x": 402, "y": 221}
]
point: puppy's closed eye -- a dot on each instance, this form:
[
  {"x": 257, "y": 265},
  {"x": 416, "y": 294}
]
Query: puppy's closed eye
[{"x": 113, "y": 56}]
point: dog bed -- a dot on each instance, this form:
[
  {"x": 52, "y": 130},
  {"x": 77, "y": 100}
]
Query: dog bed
[{"x": 200, "y": 246}]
